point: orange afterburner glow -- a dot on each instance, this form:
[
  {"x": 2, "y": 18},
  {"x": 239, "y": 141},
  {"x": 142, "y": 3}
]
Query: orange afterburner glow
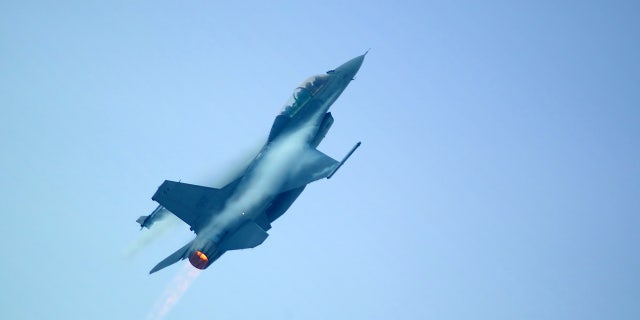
[{"x": 199, "y": 260}]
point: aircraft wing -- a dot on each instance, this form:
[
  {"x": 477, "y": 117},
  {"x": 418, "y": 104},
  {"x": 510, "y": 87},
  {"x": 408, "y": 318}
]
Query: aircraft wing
[
  {"x": 192, "y": 203},
  {"x": 313, "y": 165},
  {"x": 249, "y": 235}
]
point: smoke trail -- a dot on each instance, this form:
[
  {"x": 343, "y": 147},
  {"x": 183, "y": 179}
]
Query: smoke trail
[{"x": 174, "y": 292}]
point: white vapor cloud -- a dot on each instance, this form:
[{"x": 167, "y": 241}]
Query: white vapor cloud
[{"x": 266, "y": 178}]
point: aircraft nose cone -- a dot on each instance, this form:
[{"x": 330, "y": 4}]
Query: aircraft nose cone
[{"x": 351, "y": 67}]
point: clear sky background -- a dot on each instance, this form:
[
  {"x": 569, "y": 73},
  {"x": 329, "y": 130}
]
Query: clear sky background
[{"x": 499, "y": 176}]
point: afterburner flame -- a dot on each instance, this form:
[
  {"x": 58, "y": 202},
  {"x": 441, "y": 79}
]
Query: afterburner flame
[
  {"x": 199, "y": 260},
  {"x": 202, "y": 255}
]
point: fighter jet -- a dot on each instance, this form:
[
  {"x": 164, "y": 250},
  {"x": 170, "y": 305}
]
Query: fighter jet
[{"x": 238, "y": 215}]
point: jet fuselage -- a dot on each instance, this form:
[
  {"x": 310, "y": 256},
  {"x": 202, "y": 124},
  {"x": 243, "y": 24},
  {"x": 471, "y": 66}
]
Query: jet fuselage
[{"x": 272, "y": 181}]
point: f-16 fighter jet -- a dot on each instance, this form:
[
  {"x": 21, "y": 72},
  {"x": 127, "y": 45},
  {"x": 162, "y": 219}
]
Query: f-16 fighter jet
[{"x": 238, "y": 215}]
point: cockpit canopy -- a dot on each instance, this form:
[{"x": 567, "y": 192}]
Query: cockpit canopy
[{"x": 303, "y": 93}]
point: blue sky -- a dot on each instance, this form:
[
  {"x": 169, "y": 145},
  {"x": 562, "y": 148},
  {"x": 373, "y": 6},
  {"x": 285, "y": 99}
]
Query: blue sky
[{"x": 499, "y": 176}]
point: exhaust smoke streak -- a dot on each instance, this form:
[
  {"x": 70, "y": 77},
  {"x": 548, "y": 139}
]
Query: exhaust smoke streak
[{"x": 174, "y": 291}]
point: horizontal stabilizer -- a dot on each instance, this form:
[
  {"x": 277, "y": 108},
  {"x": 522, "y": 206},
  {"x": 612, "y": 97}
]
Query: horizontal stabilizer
[
  {"x": 249, "y": 235},
  {"x": 181, "y": 254}
]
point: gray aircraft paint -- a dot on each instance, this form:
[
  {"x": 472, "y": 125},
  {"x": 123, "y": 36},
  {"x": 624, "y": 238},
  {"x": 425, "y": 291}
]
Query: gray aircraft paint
[{"x": 238, "y": 215}]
